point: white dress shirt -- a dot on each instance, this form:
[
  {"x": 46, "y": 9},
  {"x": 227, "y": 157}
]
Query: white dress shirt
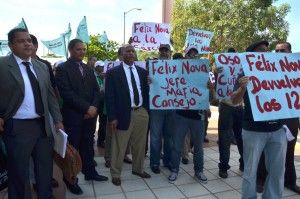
[
  {"x": 138, "y": 84},
  {"x": 27, "y": 108}
]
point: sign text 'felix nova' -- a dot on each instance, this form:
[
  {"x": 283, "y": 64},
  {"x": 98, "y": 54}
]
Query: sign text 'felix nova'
[
  {"x": 274, "y": 85},
  {"x": 179, "y": 84},
  {"x": 148, "y": 36}
]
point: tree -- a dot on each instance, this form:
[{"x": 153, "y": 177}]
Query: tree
[
  {"x": 102, "y": 51},
  {"x": 235, "y": 23}
]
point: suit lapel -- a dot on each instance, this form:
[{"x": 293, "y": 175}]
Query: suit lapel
[
  {"x": 16, "y": 72},
  {"x": 38, "y": 73}
]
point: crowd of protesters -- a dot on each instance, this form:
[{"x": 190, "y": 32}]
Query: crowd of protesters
[{"x": 79, "y": 95}]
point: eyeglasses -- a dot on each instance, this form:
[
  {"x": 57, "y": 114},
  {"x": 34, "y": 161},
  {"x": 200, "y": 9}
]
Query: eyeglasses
[{"x": 280, "y": 50}]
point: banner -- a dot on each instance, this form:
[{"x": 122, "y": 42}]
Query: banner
[
  {"x": 179, "y": 84},
  {"x": 57, "y": 46},
  {"x": 22, "y": 24},
  {"x": 199, "y": 39},
  {"x": 67, "y": 34},
  {"x": 229, "y": 65},
  {"x": 274, "y": 85},
  {"x": 82, "y": 31},
  {"x": 4, "y": 48},
  {"x": 148, "y": 36},
  {"x": 110, "y": 64}
]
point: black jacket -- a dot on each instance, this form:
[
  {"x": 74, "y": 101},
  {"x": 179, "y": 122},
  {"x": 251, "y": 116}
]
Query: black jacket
[
  {"x": 117, "y": 96},
  {"x": 78, "y": 92}
]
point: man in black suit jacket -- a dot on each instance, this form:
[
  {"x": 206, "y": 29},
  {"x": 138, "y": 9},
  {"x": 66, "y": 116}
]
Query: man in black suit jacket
[
  {"x": 79, "y": 90},
  {"x": 127, "y": 96}
]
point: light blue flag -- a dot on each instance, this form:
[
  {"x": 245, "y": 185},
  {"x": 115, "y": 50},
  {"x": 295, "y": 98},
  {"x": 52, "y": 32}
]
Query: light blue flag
[
  {"x": 4, "y": 48},
  {"x": 82, "y": 31},
  {"x": 22, "y": 24},
  {"x": 103, "y": 38},
  {"x": 67, "y": 34},
  {"x": 179, "y": 84},
  {"x": 274, "y": 84},
  {"x": 57, "y": 46}
]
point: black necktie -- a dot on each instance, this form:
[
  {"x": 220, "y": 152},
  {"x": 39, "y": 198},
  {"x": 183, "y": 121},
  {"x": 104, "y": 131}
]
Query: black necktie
[
  {"x": 80, "y": 68},
  {"x": 134, "y": 87},
  {"x": 35, "y": 89}
]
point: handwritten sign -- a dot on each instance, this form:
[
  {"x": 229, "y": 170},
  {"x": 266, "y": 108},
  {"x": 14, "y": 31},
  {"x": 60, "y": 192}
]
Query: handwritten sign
[
  {"x": 229, "y": 65},
  {"x": 199, "y": 39},
  {"x": 110, "y": 64},
  {"x": 274, "y": 86},
  {"x": 179, "y": 84},
  {"x": 148, "y": 36}
]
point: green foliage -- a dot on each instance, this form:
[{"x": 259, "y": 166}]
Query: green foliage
[
  {"x": 235, "y": 23},
  {"x": 143, "y": 55},
  {"x": 101, "y": 51}
]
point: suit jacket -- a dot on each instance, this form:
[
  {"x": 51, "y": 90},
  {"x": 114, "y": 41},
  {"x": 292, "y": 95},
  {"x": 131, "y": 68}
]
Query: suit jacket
[
  {"x": 117, "y": 96},
  {"x": 12, "y": 90},
  {"x": 78, "y": 92}
]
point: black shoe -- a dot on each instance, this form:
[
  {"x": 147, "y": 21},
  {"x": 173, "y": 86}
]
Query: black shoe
[
  {"x": 223, "y": 174},
  {"x": 142, "y": 175},
  {"x": 155, "y": 170},
  {"x": 294, "y": 188},
  {"x": 116, "y": 181},
  {"x": 206, "y": 140},
  {"x": 185, "y": 161},
  {"x": 96, "y": 177},
  {"x": 73, "y": 188}
]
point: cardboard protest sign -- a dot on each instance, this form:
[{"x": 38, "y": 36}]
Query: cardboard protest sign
[
  {"x": 148, "y": 36},
  {"x": 179, "y": 84},
  {"x": 110, "y": 64},
  {"x": 274, "y": 85},
  {"x": 229, "y": 65},
  {"x": 199, "y": 39}
]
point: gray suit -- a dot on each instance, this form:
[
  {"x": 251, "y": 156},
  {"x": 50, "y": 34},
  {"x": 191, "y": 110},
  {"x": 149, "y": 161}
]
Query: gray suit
[
  {"x": 12, "y": 90},
  {"x": 27, "y": 138}
]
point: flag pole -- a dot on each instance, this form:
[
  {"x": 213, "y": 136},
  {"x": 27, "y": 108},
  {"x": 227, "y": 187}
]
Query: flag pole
[{"x": 66, "y": 50}]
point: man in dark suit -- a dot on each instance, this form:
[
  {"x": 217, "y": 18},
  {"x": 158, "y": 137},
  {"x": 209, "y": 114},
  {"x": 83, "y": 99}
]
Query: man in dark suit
[
  {"x": 127, "y": 96},
  {"x": 26, "y": 104},
  {"x": 79, "y": 90}
]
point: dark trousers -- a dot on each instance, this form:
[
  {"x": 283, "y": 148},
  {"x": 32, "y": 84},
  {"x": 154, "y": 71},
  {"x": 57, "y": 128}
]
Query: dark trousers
[
  {"x": 102, "y": 127},
  {"x": 24, "y": 139},
  {"x": 230, "y": 119},
  {"x": 82, "y": 138},
  {"x": 290, "y": 172}
]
